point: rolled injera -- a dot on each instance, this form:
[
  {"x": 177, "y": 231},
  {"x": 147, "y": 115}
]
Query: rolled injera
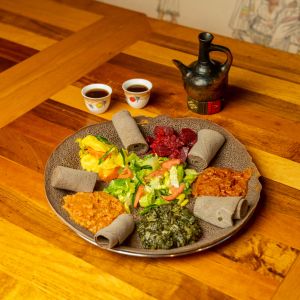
[
  {"x": 220, "y": 211},
  {"x": 116, "y": 232},
  {"x": 208, "y": 144},
  {"x": 129, "y": 132},
  {"x": 73, "y": 180}
]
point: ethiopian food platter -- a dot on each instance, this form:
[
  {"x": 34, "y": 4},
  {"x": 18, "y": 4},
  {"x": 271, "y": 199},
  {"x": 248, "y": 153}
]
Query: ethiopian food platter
[{"x": 153, "y": 187}]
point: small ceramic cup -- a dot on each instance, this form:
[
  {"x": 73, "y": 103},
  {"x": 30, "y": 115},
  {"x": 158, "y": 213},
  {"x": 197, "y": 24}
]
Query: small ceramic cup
[
  {"x": 137, "y": 92},
  {"x": 97, "y": 97}
]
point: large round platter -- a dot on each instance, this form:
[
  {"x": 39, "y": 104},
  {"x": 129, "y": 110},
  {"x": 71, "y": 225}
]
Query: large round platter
[{"x": 232, "y": 155}]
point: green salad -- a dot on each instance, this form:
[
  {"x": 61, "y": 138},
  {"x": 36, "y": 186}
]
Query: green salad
[{"x": 151, "y": 181}]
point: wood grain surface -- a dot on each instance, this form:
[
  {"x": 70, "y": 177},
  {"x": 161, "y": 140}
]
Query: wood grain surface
[{"x": 48, "y": 51}]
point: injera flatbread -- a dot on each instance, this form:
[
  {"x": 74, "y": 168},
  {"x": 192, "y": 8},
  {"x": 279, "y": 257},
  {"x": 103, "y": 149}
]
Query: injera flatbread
[
  {"x": 73, "y": 179},
  {"x": 129, "y": 133},
  {"x": 204, "y": 150},
  {"x": 116, "y": 232},
  {"x": 220, "y": 211}
]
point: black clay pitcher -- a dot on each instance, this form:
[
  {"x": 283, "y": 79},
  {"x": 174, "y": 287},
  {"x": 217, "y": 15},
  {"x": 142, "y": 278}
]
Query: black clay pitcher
[{"x": 206, "y": 80}]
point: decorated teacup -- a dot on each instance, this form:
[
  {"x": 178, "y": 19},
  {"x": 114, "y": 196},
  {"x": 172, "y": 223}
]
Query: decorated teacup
[{"x": 137, "y": 92}]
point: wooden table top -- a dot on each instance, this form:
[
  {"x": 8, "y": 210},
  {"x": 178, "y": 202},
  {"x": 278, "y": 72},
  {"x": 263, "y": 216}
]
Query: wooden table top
[{"x": 49, "y": 50}]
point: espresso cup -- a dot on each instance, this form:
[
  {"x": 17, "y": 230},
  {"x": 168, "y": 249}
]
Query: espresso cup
[
  {"x": 97, "y": 97},
  {"x": 137, "y": 92}
]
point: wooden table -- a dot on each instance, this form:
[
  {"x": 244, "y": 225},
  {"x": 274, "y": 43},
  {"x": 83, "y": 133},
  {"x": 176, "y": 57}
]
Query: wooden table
[{"x": 49, "y": 50}]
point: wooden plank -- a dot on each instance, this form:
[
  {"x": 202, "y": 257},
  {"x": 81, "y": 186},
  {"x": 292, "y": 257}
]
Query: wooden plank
[
  {"x": 5, "y": 64},
  {"x": 36, "y": 79},
  {"x": 11, "y": 289},
  {"x": 259, "y": 83},
  {"x": 23, "y": 256},
  {"x": 34, "y": 26},
  {"x": 23, "y": 189},
  {"x": 51, "y": 12},
  {"x": 285, "y": 146},
  {"x": 66, "y": 117},
  {"x": 97, "y": 7},
  {"x": 265, "y": 222},
  {"x": 211, "y": 269},
  {"x": 37, "y": 129},
  {"x": 281, "y": 199},
  {"x": 276, "y": 168},
  {"x": 15, "y": 52},
  {"x": 289, "y": 289},
  {"x": 23, "y": 149},
  {"x": 24, "y": 37},
  {"x": 258, "y": 253}
]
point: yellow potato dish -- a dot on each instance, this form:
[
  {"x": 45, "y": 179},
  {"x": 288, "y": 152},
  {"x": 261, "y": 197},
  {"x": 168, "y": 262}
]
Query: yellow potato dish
[{"x": 100, "y": 156}]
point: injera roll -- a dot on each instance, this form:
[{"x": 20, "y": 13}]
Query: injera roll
[
  {"x": 208, "y": 144},
  {"x": 220, "y": 211},
  {"x": 129, "y": 132},
  {"x": 73, "y": 180},
  {"x": 115, "y": 233}
]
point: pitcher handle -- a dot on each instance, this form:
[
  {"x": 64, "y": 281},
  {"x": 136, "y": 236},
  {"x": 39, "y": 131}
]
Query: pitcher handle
[{"x": 227, "y": 64}]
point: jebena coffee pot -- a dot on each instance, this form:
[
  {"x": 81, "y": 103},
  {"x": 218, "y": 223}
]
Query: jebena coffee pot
[{"x": 206, "y": 80}]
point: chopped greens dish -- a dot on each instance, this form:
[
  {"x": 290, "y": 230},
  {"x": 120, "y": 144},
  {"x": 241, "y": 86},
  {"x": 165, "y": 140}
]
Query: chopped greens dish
[{"x": 168, "y": 226}]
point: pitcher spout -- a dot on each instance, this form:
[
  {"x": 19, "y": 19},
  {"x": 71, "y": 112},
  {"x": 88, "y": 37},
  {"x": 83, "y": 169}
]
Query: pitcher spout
[{"x": 182, "y": 68}]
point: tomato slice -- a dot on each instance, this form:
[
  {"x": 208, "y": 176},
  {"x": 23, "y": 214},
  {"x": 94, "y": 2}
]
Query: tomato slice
[
  {"x": 157, "y": 173},
  {"x": 174, "y": 192},
  {"x": 170, "y": 163}
]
